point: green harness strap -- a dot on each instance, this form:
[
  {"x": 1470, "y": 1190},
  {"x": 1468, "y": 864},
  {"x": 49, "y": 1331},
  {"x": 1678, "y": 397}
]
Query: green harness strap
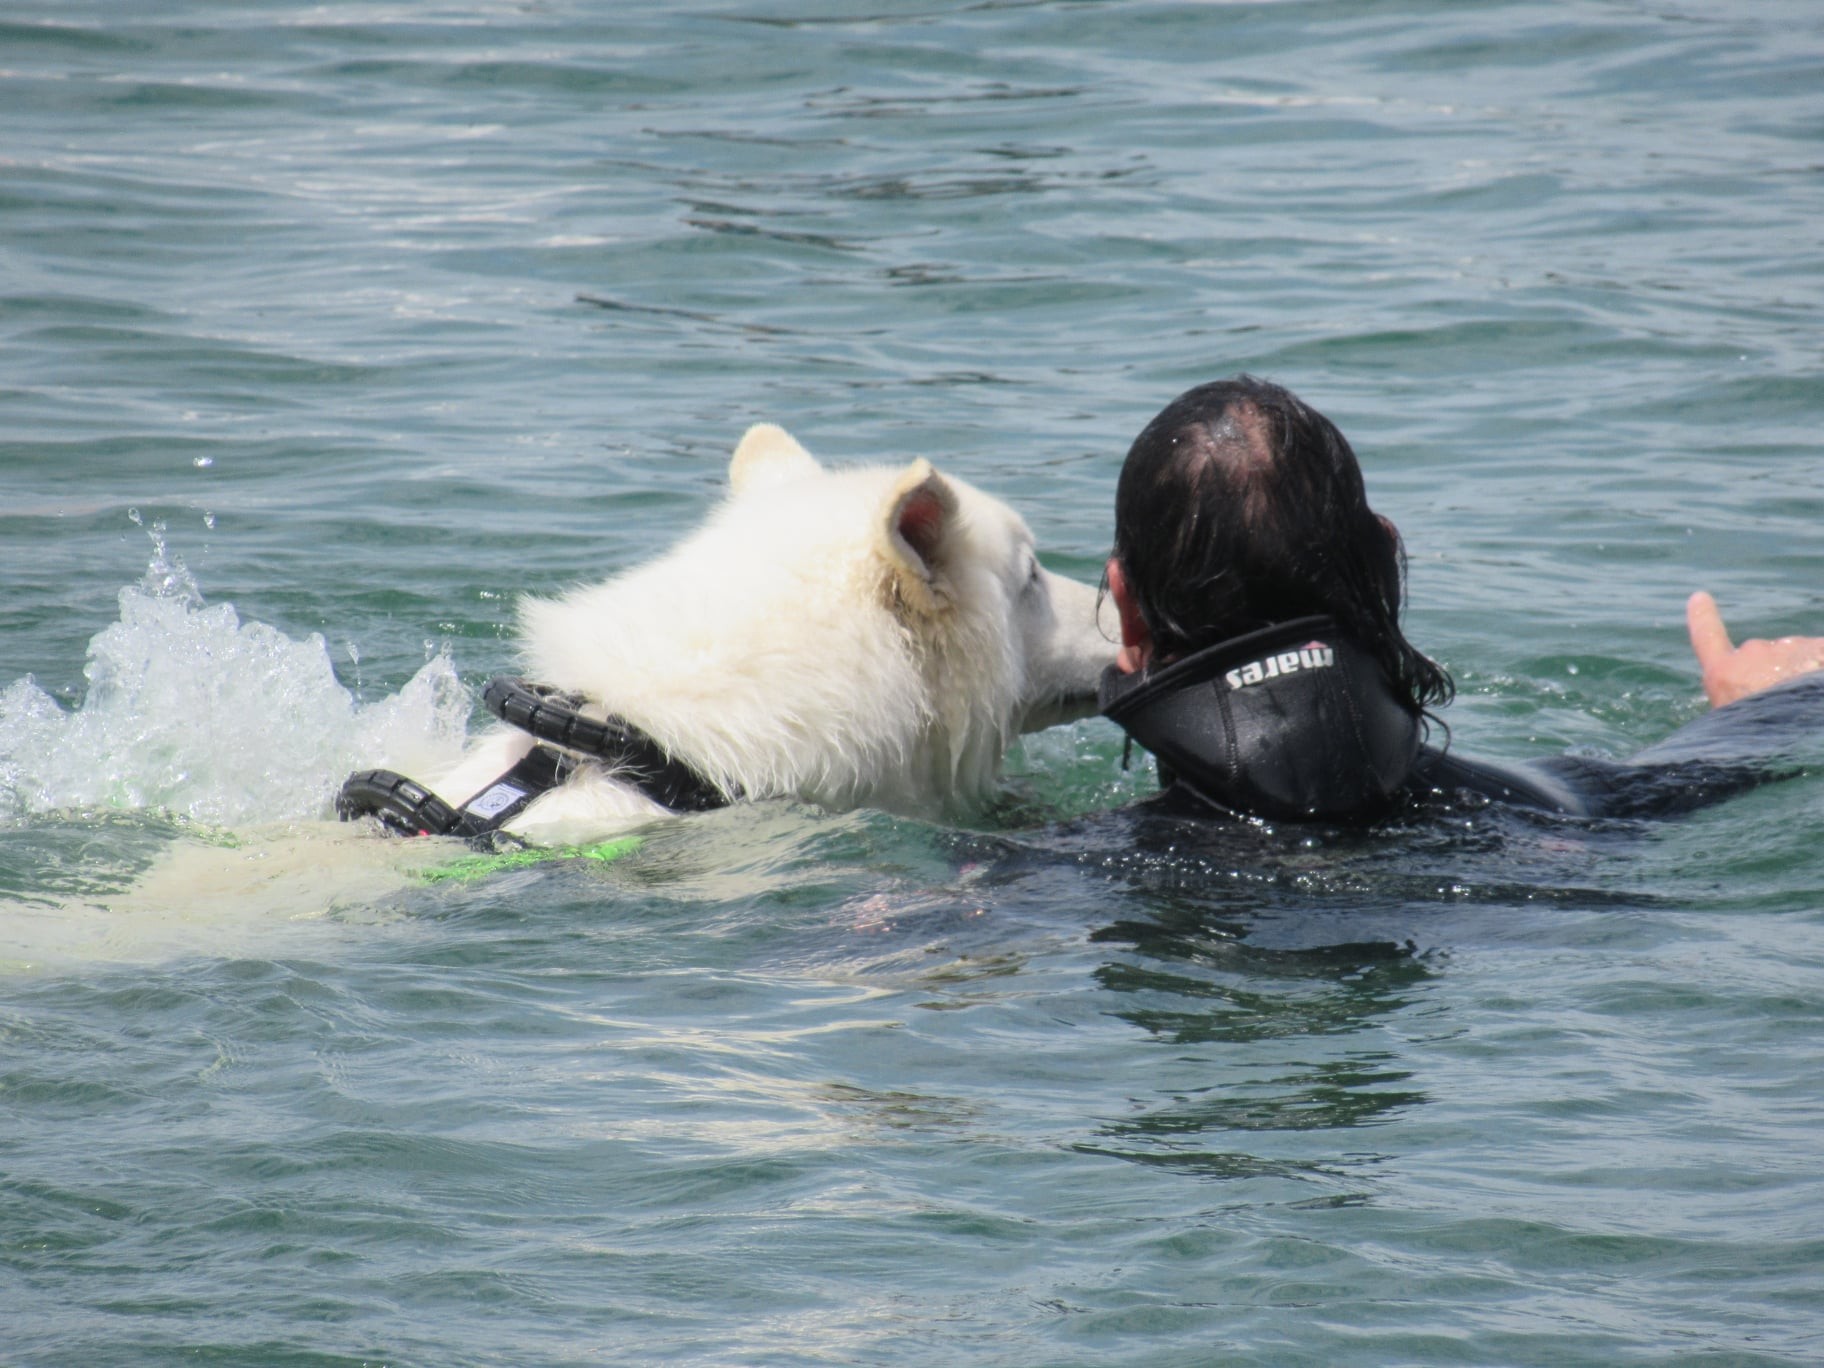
[{"x": 471, "y": 867}]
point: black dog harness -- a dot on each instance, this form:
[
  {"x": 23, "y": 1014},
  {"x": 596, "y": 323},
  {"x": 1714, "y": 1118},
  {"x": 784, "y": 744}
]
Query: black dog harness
[{"x": 565, "y": 740}]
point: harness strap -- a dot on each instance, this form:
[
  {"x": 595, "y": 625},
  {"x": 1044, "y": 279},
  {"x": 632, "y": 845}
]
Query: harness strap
[
  {"x": 554, "y": 716},
  {"x": 538, "y": 771},
  {"x": 408, "y": 807},
  {"x": 402, "y": 805}
]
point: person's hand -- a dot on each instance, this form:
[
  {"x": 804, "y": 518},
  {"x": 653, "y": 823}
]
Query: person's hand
[{"x": 1731, "y": 671}]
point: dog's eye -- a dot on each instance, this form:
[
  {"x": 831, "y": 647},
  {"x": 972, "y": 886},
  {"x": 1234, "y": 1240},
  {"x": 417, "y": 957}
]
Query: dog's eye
[{"x": 1033, "y": 570}]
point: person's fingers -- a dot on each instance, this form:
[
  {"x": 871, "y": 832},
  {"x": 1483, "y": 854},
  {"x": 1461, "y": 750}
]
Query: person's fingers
[{"x": 1709, "y": 638}]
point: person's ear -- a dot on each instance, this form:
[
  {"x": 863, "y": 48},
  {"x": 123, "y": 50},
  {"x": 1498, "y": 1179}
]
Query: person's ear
[{"x": 1136, "y": 636}]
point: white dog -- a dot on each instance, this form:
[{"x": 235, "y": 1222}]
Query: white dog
[{"x": 861, "y": 637}]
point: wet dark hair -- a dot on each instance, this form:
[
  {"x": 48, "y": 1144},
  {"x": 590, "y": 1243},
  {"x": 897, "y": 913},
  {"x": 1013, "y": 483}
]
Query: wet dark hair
[{"x": 1240, "y": 507}]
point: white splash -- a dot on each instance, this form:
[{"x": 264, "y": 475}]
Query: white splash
[{"x": 193, "y": 712}]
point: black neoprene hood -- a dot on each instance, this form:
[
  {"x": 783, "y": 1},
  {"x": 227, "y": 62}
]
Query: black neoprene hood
[{"x": 1296, "y": 721}]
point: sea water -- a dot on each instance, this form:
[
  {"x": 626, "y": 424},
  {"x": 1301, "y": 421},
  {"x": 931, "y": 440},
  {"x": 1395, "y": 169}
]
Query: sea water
[{"x": 327, "y": 330}]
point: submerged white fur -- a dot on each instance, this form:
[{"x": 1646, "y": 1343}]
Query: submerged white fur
[{"x": 862, "y": 637}]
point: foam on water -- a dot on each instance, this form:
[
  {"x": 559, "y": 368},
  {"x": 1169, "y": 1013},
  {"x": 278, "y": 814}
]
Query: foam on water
[{"x": 191, "y": 711}]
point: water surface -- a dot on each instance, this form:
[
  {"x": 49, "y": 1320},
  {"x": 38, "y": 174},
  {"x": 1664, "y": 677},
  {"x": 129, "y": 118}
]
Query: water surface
[{"x": 326, "y": 330}]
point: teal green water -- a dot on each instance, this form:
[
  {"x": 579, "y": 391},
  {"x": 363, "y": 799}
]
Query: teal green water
[{"x": 325, "y": 329}]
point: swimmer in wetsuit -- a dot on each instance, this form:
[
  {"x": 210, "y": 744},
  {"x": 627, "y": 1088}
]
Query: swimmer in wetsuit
[{"x": 1262, "y": 659}]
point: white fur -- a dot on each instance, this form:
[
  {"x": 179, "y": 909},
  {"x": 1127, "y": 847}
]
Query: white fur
[{"x": 861, "y": 637}]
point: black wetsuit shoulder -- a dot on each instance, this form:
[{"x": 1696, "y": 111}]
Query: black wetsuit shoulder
[
  {"x": 1587, "y": 785},
  {"x": 1714, "y": 756}
]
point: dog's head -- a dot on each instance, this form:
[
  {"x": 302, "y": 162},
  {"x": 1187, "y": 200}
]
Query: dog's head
[{"x": 873, "y": 635}]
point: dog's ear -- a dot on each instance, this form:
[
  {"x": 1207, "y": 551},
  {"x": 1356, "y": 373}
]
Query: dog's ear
[
  {"x": 768, "y": 454},
  {"x": 917, "y": 521}
]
